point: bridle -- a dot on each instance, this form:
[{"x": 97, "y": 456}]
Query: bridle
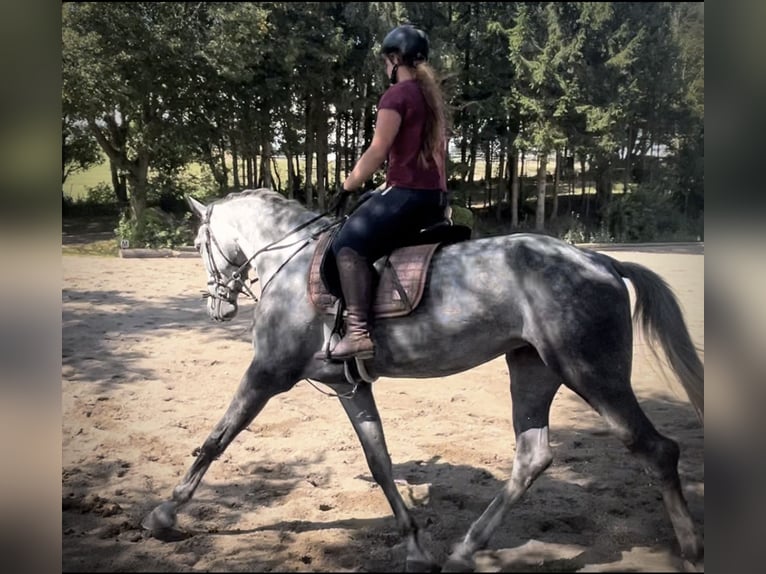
[{"x": 227, "y": 289}]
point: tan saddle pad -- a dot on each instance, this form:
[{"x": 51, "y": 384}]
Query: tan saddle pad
[{"x": 400, "y": 287}]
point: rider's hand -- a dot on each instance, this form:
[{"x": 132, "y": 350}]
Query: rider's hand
[{"x": 341, "y": 201}]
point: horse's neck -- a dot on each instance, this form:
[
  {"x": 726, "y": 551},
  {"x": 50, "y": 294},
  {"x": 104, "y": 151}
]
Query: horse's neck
[{"x": 259, "y": 225}]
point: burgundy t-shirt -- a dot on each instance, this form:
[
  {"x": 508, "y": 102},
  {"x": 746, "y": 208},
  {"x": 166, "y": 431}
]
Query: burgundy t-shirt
[{"x": 404, "y": 167}]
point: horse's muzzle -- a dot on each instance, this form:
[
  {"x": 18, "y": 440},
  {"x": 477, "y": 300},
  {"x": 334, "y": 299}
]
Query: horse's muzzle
[{"x": 220, "y": 309}]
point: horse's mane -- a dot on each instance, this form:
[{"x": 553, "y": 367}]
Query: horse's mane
[{"x": 268, "y": 196}]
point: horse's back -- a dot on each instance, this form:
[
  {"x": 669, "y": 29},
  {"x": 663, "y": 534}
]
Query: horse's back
[
  {"x": 528, "y": 257},
  {"x": 489, "y": 295}
]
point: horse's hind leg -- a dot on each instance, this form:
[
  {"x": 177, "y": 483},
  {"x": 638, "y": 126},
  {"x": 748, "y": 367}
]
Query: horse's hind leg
[
  {"x": 533, "y": 386},
  {"x": 247, "y": 402},
  {"x": 363, "y": 413},
  {"x": 611, "y": 395}
]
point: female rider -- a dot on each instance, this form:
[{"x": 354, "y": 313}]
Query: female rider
[{"x": 409, "y": 132}]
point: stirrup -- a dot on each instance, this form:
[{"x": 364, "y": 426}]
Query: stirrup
[
  {"x": 356, "y": 372},
  {"x": 363, "y": 371}
]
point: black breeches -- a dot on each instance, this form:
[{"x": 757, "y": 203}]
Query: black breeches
[{"x": 390, "y": 219}]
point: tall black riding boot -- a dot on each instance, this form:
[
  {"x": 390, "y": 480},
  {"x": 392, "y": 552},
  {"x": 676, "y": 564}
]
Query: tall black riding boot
[{"x": 356, "y": 280}]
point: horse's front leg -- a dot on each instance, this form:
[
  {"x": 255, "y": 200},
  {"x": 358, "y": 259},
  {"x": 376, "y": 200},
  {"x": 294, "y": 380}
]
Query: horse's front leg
[
  {"x": 255, "y": 390},
  {"x": 363, "y": 413}
]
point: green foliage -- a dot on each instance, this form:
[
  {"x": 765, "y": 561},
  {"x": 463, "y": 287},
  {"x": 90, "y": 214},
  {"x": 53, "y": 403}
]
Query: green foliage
[
  {"x": 98, "y": 200},
  {"x": 647, "y": 214},
  {"x": 101, "y": 194},
  {"x": 689, "y": 163},
  {"x": 601, "y": 235},
  {"x": 167, "y": 190},
  {"x": 135, "y": 75},
  {"x": 167, "y": 222},
  {"x": 165, "y": 85},
  {"x": 574, "y": 230},
  {"x": 155, "y": 229},
  {"x": 164, "y": 190},
  {"x": 79, "y": 150}
]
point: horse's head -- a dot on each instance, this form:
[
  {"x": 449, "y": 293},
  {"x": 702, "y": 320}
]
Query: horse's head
[{"x": 224, "y": 262}]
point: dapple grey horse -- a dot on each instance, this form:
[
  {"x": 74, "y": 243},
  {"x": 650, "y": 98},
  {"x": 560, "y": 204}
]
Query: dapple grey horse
[{"x": 559, "y": 314}]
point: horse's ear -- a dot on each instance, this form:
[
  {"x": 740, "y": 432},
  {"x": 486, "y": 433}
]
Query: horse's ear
[{"x": 197, "y": 207}]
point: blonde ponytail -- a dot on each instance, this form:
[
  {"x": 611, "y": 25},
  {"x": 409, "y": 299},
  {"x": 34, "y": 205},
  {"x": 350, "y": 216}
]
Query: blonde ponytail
[{"x": 436, "y": 121}]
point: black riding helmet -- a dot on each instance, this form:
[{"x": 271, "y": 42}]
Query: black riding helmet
[{"x": 410, "y": 43}]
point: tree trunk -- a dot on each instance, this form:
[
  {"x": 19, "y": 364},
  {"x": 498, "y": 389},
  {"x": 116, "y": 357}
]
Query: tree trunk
[
  {"x": 354, "y": 144},
  {"x": 501, "y": 188},
  {"x": 523, "y": 171},
  {"x": 642, "y": 148},
  {"x": 628, "y": 149},
  {"x": 321, "y": 147},
  {"x": 250, "y": 179},
  {"x": 340, "y": 149},
  {"x": 255, "y": 150},
  {"x": 266, "y": 180},
  {"x": 215, "y": 168},
  {"x": 368, "y": 117},
  {"x": 465, "y": 118},
  {"x": 258, "y": 165},
  {"x": 290, "y": 176},
  {"x": 514, "y": 190},
  {"x": 555, "y": 207},
  {"x": 472, "y": 156},
  {"x": 585, "y": 199},
  {"x": 541, "y": 177},
  {"x": 224, "y": 169},
  {"x": 347, "y": 135},
  {"x": 297, "y": 172},
  {"x": 309, "y": 154},
  {"x": 118, "y": 184},
  {"x": 488, "y": 174},
  {"x": 64, "y": 171},
  {"x": 570, "y": 182},
  {"x": 137, "y": 181},
  {"x": 235, "y": 164},
  {"x": 604, "y": 188},
  {"x": 235, "y": 167},
  {"x": 603, "y": 181},
  {"x": 276, "y": 173}
]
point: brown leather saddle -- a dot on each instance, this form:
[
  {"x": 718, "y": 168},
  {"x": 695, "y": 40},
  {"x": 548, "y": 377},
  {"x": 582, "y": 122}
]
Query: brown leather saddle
[{"x": 401, "y": 275}]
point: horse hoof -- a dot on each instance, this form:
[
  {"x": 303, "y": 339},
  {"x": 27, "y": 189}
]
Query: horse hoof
[
  {"x": 453, "y": 565},
  {"x": 693, "y": 551},
  {"x": 162, "y": 518},
  {"x": 421, "y": 566}
]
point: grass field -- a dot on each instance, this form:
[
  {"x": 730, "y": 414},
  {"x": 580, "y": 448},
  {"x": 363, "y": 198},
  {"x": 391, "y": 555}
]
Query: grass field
[
  {"x": 101, "y": 247},
  {"x": 78, "y": 184}
]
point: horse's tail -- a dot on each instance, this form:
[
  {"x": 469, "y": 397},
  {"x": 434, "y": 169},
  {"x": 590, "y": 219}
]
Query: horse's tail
[{"x": 658, "y": 313}]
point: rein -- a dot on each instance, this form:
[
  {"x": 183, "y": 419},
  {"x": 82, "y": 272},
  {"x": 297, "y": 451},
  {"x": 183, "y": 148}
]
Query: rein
[{"x": 235, "y": 283}]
